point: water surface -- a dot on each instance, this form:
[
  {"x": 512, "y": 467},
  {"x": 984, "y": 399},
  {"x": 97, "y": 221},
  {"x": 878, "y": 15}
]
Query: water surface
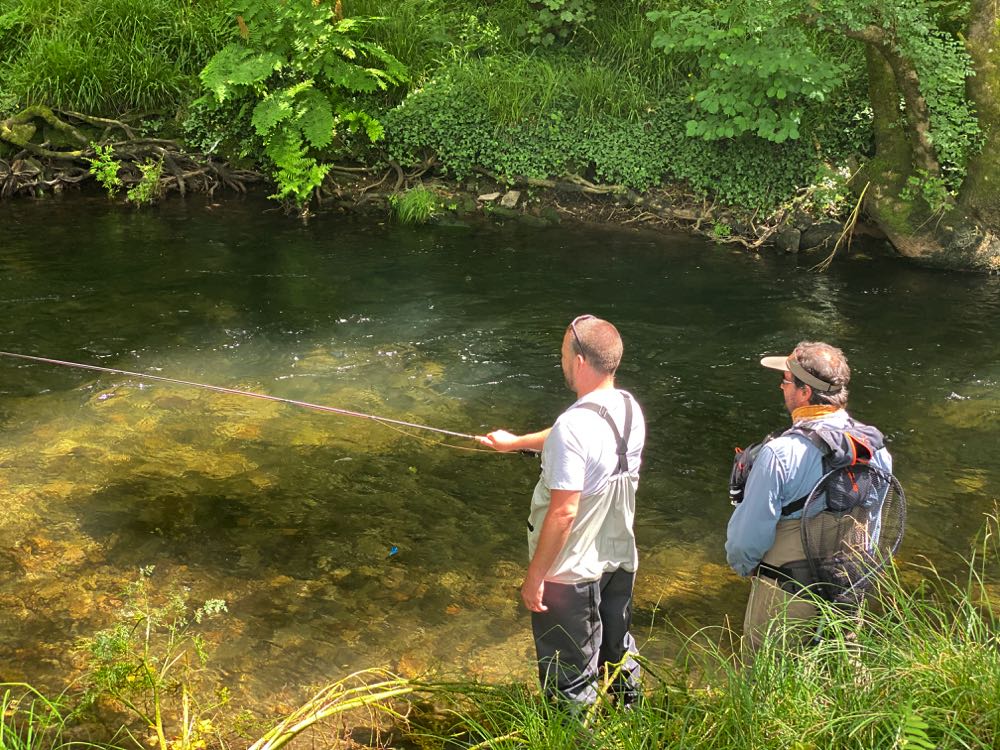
[{"x": 292, "y": 516}]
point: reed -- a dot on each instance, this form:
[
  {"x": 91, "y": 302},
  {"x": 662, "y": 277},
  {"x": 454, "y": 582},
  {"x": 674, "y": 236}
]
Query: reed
[{"x": 418, "y": 205}]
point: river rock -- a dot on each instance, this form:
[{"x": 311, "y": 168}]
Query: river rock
[
  {"x": 788, "y": 240},
  {"x": 510, "y": 199},
  {"x": 820, "y": 235},
  {"x": 530, "y": 220},
  {"x": 488, "y": 197}
]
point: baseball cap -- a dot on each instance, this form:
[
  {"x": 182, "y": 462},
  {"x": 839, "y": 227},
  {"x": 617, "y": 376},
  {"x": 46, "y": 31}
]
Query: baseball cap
[{"x": 792, "y": 365}]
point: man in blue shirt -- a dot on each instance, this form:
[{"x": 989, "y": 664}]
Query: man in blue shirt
[{"x": 814, "y": 387}]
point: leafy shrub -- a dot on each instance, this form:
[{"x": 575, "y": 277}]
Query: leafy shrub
[
  {"x": 151, "y": 657},
  {"x": 301, "y": 68},
  {"x": 759, "y": 64},
  {"x": 461, "y": 128},
  {"x": 557, "y": 20},
  {"x": 755, "y": 80},
  {"x": 105, "y": 168},
  {"x": 147, "y": 190}
]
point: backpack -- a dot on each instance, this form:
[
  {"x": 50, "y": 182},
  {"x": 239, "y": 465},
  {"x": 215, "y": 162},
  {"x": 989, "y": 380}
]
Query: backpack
[{"x": 852, "y": 519}]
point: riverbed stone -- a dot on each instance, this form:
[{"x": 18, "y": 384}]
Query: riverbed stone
[
  {"x": 530, "y": 220},
  {"x": 510, "y": 198},
  {"x": 820, "y": 235},
  {"x": 788, "y": 240}
]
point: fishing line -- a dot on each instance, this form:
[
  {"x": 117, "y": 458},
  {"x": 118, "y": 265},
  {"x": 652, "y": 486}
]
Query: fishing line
[{"x": 263, "y": 396}]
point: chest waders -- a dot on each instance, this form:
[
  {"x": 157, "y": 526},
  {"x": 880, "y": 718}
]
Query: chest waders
[
  {"x": 586, "y": 631},
  {"x": 602, "y": 538}
]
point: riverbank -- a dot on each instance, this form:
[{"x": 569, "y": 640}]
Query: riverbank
[
  {"x": 577, "y": 111},
  {"x": 420, "y": 196}
]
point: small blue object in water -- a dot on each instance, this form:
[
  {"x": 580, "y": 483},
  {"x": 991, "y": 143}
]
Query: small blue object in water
[{"x": 393, "y": 550}]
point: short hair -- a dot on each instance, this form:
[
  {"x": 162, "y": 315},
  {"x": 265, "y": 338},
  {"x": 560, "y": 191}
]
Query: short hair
[
  {"x": 599, "y": 343},
  {"x": 827, "y": 363}
]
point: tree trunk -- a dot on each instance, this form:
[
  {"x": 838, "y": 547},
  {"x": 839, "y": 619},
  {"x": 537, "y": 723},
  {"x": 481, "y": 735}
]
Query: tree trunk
[
  {"x": 958, "y": 238},
  {"x": 981, "y": 190},
  {"x": 888, "y": 172}
]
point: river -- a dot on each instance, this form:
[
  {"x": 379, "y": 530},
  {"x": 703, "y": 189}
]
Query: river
[{"x": 339, "y": 543}]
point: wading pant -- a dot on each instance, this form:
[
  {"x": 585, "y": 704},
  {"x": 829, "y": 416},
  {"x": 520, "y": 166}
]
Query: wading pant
[
  {"x": 585, "y": 628},
  {"x": 771, "y": 606}
]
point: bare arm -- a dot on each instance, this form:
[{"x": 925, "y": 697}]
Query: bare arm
[
  {"x": 504, "y": 441},
  {"x": 555, "y": 530}
]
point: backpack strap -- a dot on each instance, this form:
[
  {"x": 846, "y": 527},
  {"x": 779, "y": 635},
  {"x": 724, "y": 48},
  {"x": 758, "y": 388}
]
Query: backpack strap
[
  {"x": 813, "y": 437},
  {"x": 849, "y": 448},
  {"x": 620, "y": 442}
]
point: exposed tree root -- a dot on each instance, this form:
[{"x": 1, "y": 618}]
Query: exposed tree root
[{"x": 40, "y": 166}]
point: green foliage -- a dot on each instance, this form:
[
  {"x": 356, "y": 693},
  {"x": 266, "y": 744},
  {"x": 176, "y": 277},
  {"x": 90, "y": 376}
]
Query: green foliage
[
  {"x": 426, "y": 34},
  {"x": 758, "y": 64},
  {"x": 941, "y": 61},
  {"x": 30, "y": 721},
  {"x": 913, "y": 732},
  {"x": 722, "y": 230},
  {"x": 416, "y": 206},
  {"x": 302, "y": 69},
  {"x": 107, "y": 56},
  {"x": 829, "y": 193},
  {"x": 758, "y": 71},
  {"x": 557, "y": 20},
  {"x": 147, "y": 190},
  {"x": 464, "y": 128},
  {"x": 105, "y": 168},
  {"x": 153, "y": 655},
  {"x": 223, "y": 129},
  {"x": 933, "y": 191}
]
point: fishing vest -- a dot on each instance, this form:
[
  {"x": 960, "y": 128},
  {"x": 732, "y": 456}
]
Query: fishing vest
[
  {"x": 601, "y": 538},
  {"x": 842, "y": 447},
  {"x": 831, "y": 555}
]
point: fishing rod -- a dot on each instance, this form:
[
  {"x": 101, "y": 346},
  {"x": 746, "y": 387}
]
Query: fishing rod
[{"x": 238, "y": 392}]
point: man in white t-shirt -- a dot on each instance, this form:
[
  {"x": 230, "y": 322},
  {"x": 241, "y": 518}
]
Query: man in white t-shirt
[{"x": 581, "y": 543}]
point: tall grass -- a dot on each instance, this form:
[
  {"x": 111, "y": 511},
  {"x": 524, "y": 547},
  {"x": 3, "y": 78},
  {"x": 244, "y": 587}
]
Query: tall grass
[
  {"x": 109, "y": 56},
  {"x": 919, "y": 669},
  {"x": 523, "y": 88},
  {"x": 610, "y": 68},
  {"x": 30, "y": 721}
]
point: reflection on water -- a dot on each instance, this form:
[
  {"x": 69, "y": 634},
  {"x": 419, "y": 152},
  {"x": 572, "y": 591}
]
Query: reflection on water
[{"x": 292, "y": 515}]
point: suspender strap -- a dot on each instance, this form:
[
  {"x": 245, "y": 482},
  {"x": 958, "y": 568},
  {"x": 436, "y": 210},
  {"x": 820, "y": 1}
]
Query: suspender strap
[
  {"x": 622, "y": 443},
  {"x": 813, "y": 437}
]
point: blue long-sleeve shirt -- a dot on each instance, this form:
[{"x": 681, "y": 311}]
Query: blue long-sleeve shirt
[{"x": 786, "y": 469}]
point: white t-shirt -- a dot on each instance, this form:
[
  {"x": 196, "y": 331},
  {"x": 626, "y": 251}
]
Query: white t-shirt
[{"x": 580, "y": 452}]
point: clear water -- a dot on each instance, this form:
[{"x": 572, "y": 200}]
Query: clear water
[{"x": 291, "y": 515}]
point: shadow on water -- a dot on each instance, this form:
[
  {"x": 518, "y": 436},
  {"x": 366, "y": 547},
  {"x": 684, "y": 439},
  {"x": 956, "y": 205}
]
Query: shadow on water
[{"x": 341, "y": 544}]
